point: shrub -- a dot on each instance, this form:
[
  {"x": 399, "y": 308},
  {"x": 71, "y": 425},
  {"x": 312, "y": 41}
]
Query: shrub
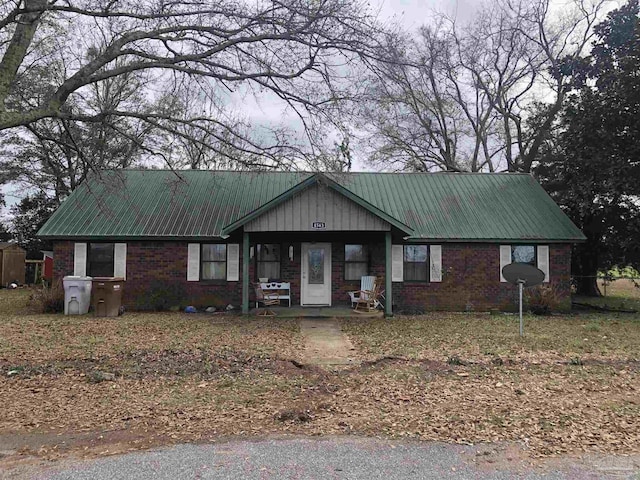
[
  {"x": 48, "y": 299},
  {"x": 542, "y": 299},
  {"x": 160, "y": 295}
]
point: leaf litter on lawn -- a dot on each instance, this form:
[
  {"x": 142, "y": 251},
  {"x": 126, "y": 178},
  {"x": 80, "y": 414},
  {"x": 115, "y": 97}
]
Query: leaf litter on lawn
[{"x": 181, "y": 378}]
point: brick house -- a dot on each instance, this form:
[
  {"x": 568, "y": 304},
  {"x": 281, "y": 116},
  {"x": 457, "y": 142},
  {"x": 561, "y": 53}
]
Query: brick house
[{"x": 439, "y": 241}]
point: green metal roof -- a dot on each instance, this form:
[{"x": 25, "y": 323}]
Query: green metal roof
[{"x": 199, "y": 204}]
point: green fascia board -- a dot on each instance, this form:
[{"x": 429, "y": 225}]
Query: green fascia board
[
  {"x": 317, "y": 178},
  {"x": 371, "y": 208},
  {"x": 510, "y": 241},
  {"x": 269, "y": 205}
]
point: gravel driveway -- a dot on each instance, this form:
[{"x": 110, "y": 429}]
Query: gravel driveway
[{"x": 338, "y": 458}]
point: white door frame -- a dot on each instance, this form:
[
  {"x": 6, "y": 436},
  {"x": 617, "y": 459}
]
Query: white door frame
[{"x": 304, "y": 275}]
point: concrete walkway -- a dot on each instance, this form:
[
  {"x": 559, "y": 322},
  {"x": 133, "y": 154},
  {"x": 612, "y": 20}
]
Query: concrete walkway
[{"x": 325, "y": 343}]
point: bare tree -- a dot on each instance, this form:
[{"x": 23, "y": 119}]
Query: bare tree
[
  {"x": 295, "y": 50},
  {"x": 459, "y": 97},
  {"x": 51, "y": 156}
]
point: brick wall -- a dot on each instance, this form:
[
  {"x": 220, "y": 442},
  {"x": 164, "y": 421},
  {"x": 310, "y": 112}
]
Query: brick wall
[
  {"x": 471, "y": 281},
  {"x": 471, "y": 277},
  {"x": 62, "y": 259},
  {"x": 157, "y": 274}
]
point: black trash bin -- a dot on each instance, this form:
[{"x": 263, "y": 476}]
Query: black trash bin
[{"x": 107, "y": 296}]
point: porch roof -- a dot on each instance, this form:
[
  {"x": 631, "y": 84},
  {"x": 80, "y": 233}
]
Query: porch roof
[{"x": 165, "y": 204}]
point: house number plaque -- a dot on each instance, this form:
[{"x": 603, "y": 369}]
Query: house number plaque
[{"x": 318, "y": 225}]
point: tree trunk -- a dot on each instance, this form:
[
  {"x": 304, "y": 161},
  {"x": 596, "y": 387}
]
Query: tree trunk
[
  {"x": 585, "y": 269},
  {"x": 587, "y": 286},
  {"x": 19, "y": 45}
]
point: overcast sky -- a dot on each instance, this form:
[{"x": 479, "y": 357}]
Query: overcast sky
[
  {"x": 413, "y": 13},
  {"x": 410, "y": 14}
]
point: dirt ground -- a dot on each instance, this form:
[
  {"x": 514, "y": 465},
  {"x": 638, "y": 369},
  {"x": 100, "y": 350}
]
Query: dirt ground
[{"x": 81, "y": 386}]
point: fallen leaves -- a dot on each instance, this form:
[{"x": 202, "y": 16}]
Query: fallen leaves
[{"x": 441, "y": 377}]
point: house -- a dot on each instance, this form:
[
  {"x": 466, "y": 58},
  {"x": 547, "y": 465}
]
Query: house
[{"x": 438, "y": 240}]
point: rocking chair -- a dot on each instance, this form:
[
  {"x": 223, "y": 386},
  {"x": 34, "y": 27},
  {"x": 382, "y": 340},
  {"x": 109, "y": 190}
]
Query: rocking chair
[
  {"x": 368, "y": 301},
  {"x": 366, "y": 285},
  {"x": 267, "y": 299}
]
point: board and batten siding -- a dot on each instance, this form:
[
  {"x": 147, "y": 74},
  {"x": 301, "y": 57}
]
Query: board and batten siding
[{"x": 317, "y": 204}]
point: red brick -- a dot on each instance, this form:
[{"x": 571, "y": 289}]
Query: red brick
[{"x": 471, "y": 276}]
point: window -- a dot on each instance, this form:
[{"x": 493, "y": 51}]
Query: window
[
  {"x": 356, "y": 261},
  {"x": 214, "y": 262},
  {"x": 416, "y": 262},
  {"x": 268, "y": 260},
  {"x": 523, "y": 254},
  {"x": 100, "y": 260}
]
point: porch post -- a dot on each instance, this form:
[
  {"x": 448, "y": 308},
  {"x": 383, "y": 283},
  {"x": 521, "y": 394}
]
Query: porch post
[
  {"x": 245, "y": 273},
  {"x": 388, "y": 296}
]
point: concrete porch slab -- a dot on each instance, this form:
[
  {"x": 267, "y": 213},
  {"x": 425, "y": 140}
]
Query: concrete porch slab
[{"x": 317, "y": 312}]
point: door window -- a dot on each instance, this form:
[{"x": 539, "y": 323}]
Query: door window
[{"x": 316, "y": 266}]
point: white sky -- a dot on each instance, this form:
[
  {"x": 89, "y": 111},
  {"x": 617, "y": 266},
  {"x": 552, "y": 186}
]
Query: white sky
[
  {"x": 410, "y": 14},
  {"x": 414, "y": 13}
]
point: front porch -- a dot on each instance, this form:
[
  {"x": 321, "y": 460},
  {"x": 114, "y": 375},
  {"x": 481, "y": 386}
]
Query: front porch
[
  {"x": 313, "y": 267},
  {"x": 317, "y": 312}
]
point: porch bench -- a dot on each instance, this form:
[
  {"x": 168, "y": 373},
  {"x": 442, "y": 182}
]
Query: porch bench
[{"x": 279, "y": 290}]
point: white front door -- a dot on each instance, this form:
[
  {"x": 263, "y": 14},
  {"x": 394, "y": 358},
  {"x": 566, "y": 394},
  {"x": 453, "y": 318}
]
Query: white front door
[{"x": 316, "y": 274}]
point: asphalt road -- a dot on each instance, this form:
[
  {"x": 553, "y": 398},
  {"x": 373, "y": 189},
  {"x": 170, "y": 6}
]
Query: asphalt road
[{"x": 336, "y": 458}]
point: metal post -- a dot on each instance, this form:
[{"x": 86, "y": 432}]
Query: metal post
[
  {"x": 245, "y": 273},
  {"x": 520, "y": 288},
  {"x": 388, "y": 296}
]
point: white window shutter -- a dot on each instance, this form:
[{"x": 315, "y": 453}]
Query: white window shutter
[
  {"x": 543, "y": 261},
  {"x": 435, "y": 260},
  {"x": 80, "y": 259},
  {"x": 120, "y": 260},
  {"x": 233, "y": 262},
  {"x": 193, "y": 262},
  {"x": 397, "y": 263},
  {"x": 505, "y": 259}
]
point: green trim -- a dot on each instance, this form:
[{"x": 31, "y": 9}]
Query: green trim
[
  {"x": 269, "y": 205},
  {"x": 313, "y": 180},
  {"x": 245, "y": 273},
  {"x": 500, "y": 241},
  {"x": 388, "y": 281}
]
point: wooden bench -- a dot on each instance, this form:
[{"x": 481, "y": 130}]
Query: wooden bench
[{"x": 280, "y": 290}]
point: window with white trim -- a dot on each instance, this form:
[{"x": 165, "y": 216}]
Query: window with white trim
[
  {"x": 416, "y": 263},
  {"x": 213, "y": 261},
  {"x": 523, "y": 254},
  {"x": 100, "y": 260},
  {"x": 356, "y": 261},
  {"x": 268, "y": 260}
]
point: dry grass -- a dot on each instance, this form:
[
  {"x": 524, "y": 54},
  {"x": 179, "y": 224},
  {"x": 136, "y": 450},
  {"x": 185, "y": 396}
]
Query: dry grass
[
  {"x": 622, "y": 293},
  {"x": 571, "y": 384},
  {"x": 44, "y": 338},
  {"x": 481, "y": 337}
]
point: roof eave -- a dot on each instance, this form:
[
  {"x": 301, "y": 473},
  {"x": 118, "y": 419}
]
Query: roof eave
[
  {"x": 496, "y": 240},
  {"x": 227, "y": 230}
]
